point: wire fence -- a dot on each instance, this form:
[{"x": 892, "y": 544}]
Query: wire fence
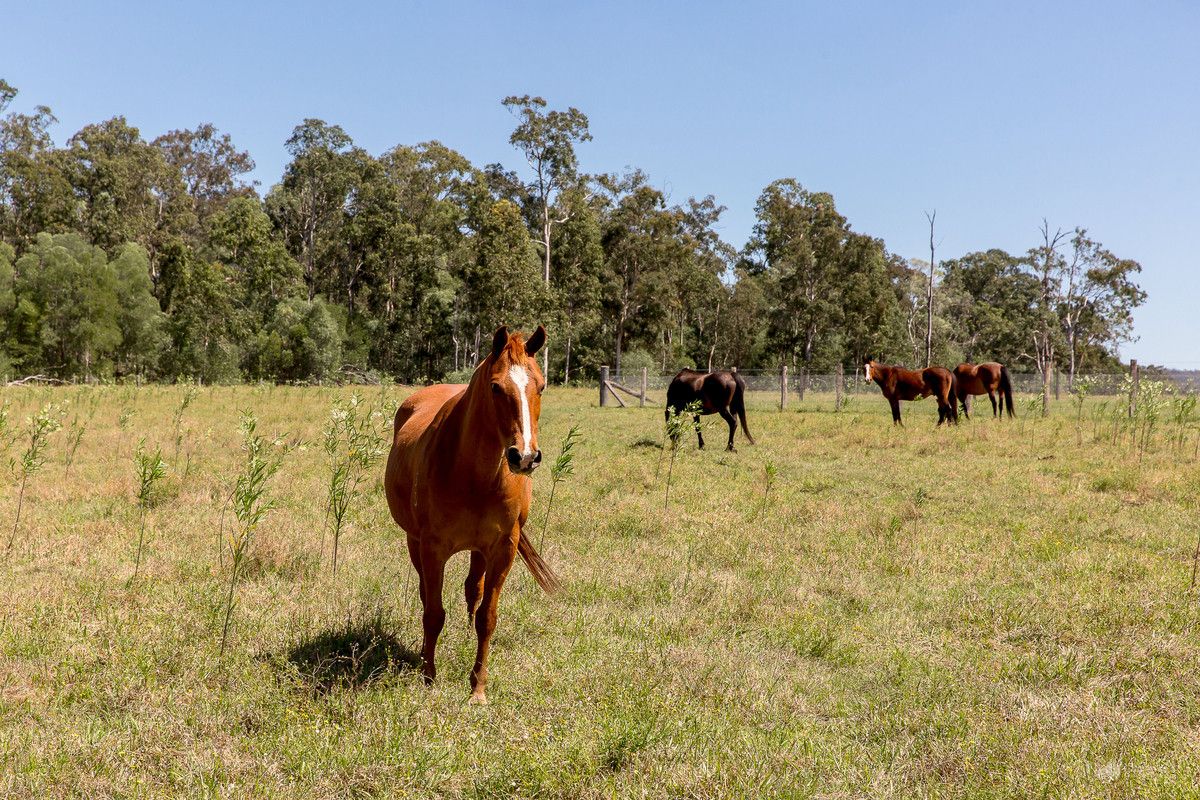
[{"x": 643, "y": 387}]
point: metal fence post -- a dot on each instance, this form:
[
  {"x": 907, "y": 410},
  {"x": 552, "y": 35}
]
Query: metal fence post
[
  {"x": 604, "y": 387},
  {"x": 782, "y": 387},
  {"x": 642, "y": 399},
  {"x": 1136, "y": 375},
  {"x": 839, "y": 387}
]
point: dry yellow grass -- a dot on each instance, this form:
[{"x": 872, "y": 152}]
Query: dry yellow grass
[{"x": 998, "y": 610}]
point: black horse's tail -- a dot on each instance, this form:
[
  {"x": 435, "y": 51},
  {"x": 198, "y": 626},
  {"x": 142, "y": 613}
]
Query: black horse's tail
[
  {"x": 954, "y": 397},
  {"x": 739, "y": 405},
  {"x": 1006, "y": 391}
]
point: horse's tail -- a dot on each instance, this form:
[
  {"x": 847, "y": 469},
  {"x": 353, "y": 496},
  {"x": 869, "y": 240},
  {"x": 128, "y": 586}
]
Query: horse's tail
[
  {"x": 538, "y": 568},
  {"x": 954, "y": 397},
  {"x": 1006, "y": 390},
  {"x": 739, "y": 405}
]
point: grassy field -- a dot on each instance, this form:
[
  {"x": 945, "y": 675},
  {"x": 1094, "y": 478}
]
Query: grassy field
[{"x": 998, "y": 610}]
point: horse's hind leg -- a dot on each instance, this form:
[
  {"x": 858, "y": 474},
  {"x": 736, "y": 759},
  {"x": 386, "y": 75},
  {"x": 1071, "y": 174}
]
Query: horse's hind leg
[
  {"x": 732, "y": 422},
  {"x": 473, "y": 586},
  {"x": 433, "y": 567},
  {"x": 499, "y": 562},
  {"x": 992, "y": 397},
  {"x": 699, "y": 435}
]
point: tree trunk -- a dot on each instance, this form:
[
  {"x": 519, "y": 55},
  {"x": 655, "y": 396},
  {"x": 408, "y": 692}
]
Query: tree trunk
[
  {"x": 929, "y": 296},
  {"x": 567, "y": 364}
]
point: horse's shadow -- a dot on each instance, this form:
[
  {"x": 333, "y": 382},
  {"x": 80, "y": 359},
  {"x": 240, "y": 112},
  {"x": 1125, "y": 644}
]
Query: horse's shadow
[{"x": 350, "y": 656}]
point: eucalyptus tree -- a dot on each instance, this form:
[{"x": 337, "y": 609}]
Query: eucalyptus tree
[
  {"x": 264, "y": 274},
  {"x": 308, "y": 205},
  {"x": 74, "y": 290},
  {"x": 798, "y": 239},
  {"x": 420, "y": 250},
  {"x": 547, "y": 139},
  {"x": 211, "y": 170},
  {"x": 126, "y": 189},
  {"x": 1097, "y": 298},
  {"x": 577, "y": 298},
  {"x": 35, "y": 191},
  {"x": 990, "y": 300},
  {"x": 502, "y": 286},
  {"x": 638, "y": 237}
]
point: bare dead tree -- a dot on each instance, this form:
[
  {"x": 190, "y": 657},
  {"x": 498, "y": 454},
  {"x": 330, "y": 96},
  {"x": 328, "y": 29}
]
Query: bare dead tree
[{"x": 929, "y": 293}]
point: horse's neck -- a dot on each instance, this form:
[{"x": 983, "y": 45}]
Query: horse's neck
[{"x": 470, "y": 433}]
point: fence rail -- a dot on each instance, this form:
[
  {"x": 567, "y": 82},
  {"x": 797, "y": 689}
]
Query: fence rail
[{"x": 645, "y": 387}]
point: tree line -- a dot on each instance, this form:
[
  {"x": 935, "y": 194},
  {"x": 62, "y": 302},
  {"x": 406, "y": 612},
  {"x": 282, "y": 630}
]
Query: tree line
[{"x": 159, "y": 259}]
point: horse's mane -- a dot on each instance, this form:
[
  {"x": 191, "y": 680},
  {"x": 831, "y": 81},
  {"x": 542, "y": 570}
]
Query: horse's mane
[{"x": 515, "y": 348}]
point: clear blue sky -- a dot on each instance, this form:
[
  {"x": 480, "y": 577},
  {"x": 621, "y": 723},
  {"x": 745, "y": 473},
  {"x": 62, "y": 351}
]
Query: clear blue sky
[{"x": 995, "y": 113}]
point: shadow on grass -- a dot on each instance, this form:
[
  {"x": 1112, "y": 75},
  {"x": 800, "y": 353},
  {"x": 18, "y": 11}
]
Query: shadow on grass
[
  {"x": 647, "y": 443},
  {"x": 350, "y": 656}
]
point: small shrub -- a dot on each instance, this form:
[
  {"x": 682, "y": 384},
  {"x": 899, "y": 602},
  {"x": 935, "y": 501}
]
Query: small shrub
[
  {"x": 250, "y": 504},
  {"x": 39, "y": 428},
  {"x": 150, "y": 469},
  {"x": 562, "y": 468},
  {"x": 354, "y": 442}
]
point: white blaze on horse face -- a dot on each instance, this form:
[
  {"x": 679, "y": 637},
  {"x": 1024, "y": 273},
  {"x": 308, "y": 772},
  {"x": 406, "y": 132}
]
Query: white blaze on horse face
[
  {"x": 520, "y": 377},
  {"x": 867, "y": 372}
]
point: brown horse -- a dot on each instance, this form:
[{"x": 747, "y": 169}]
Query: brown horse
[
  {"x": 458, "y": 478},
  {"x": 720, "y": 392},
  {"x": 899, "y": 384},
  {"x": 984, "y": 379}
]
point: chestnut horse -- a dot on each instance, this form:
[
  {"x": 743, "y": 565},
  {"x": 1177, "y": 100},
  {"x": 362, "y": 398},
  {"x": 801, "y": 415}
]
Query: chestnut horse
[
  {"x": 899, "y": 384},
  {"x": 984, "y": 379},
  {"x": 720, "y": 392},
  {"x": 458, "y": 478}
]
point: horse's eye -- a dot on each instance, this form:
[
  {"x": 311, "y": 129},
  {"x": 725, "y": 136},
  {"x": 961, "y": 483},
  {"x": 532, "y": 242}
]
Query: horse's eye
[{"x": 496, "y": 388}]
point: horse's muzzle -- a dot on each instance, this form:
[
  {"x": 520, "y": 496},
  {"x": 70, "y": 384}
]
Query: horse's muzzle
[{"x": 522, "y": 464}]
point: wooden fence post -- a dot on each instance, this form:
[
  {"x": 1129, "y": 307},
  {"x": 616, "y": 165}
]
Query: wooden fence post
[
  {"x": 839, "y": 387},
  {"x": 604, "y": 387},
  {"x": 1057, "y": 375},
  {"x": 642, "y": 399},
  {"x": 782, "y": 387},
  {"x": 1136, "y": 375}
]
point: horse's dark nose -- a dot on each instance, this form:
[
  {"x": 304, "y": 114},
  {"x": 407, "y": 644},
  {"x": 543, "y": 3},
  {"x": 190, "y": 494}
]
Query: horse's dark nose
[{"x": 522, "y": 463}]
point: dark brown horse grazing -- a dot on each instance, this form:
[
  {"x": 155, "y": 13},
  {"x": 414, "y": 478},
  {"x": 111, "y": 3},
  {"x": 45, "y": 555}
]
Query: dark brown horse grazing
[
  {"x": 899, "y": 384},
  {"x": 986, "y": 379},
  {"x": 458, "y": 478},
  {"x": 720, "y": 392}
]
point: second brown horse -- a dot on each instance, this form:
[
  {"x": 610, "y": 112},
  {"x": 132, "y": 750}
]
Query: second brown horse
[
  {"x": 899, "y": 384},
  {"x": 987, "y": 378}
]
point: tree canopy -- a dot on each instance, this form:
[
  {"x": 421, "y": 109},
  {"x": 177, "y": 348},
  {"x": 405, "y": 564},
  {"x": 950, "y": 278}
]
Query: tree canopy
[{"x": 122, "y": 255}]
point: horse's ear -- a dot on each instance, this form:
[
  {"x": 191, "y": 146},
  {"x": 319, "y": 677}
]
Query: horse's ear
[
  {"x": 535, "y": 342},
  {"x": 499, "y": 341}
]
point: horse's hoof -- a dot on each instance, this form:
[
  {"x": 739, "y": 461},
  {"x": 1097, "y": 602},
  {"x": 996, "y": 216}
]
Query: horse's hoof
[{"x": 478, "y": 698}]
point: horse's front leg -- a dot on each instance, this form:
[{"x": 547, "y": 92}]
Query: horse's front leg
[
  {"x": 895, "y": 402},
  {"x": 433, "y": 568},
  {"x": 699, "y": 435},
  {"x": 499, "y": 562}
]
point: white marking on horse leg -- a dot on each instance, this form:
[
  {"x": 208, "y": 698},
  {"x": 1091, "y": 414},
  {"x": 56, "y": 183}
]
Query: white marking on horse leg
[{"x": 521, "y": 378}]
